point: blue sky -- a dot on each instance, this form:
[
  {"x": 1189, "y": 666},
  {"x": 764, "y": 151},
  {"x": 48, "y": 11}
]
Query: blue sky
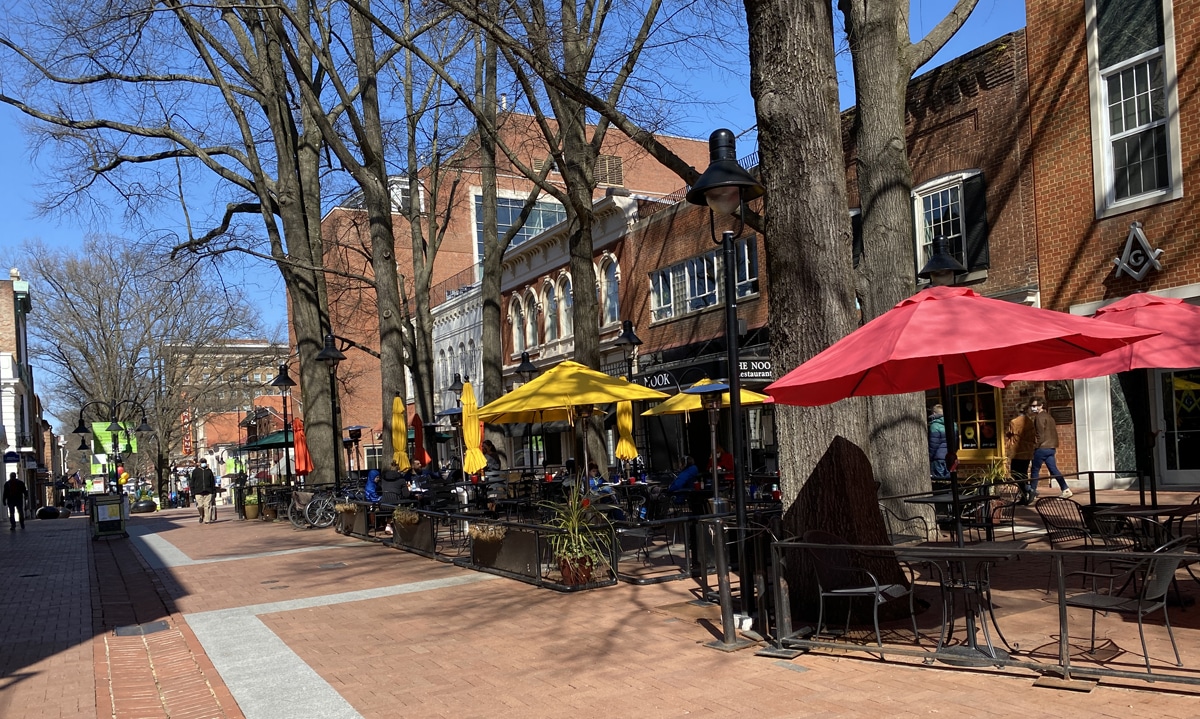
[{"x": 991, "y": 19}]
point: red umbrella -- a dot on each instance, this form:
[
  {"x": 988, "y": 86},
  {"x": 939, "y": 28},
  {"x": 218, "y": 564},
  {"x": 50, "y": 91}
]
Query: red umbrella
[
  {"x": 418, "y": 428},
  {"x": 1178, "y": 347},
  {"x": 304, "y": 462},
  {"x": 950, "y": 330}
]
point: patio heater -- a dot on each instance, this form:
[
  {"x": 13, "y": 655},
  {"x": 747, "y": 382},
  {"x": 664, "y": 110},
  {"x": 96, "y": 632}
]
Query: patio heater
[
  {"x": 584, "y": 412},
  {"x": 285, "y": 383},
  {"x": 726, "y": 188},
  {"x": 941, "y": 271},
  {"x": 710, "y": 397},
  {"x": 332, "y": 356}
]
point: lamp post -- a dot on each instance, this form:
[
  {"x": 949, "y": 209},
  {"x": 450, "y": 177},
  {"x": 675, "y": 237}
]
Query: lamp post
[
  {"x": 726, "y": 188},
  {"x": 941, "y": 270},
  {"x": 332, "y": 356},
  {"x": 114, "y": 429},
  {"x": 285, "y": 383},
  {"x": 628, "y": 341},
  {"x": 455, "y": 388},
  {"x": 527, "y": 370}
]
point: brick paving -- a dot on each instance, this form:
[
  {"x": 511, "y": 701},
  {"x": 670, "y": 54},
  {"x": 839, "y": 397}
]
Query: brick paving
[{"x": 253, "y": 607}]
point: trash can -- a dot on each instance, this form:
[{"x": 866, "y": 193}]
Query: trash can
[{"x": 108, "y": 514}]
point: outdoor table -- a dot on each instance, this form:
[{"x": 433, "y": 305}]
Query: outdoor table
[
  {"x": 966, "y": 571},
  {"x": 963, "y": 501},
  {"x": 1172, "y": 517}
]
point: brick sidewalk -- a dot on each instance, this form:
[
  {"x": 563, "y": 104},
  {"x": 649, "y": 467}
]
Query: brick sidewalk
[{"x": 308, "y": 623}]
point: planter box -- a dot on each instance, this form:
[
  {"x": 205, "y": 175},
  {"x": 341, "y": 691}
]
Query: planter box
[
  {"x": 516, "y": 553},
  {"x": 251, "y": 511},
  {"x": 417, "y": 536}
]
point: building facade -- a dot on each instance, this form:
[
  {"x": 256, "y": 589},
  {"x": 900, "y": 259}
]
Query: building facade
[
  {"x": 1116, "y": 131},
  {"x": 21, "y": 436}
]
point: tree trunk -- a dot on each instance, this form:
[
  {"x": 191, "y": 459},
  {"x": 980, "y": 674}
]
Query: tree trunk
[
  {"x": 807, "y": 227},
  {"x": 878, "y": 40}
]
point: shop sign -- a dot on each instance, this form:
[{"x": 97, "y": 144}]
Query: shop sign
[
  {"x": 12, "y": 457},
  {"x": 660, "y": 380},
  {"x": 755, "y": 369},
  {"x": 1139, "y": 257}
]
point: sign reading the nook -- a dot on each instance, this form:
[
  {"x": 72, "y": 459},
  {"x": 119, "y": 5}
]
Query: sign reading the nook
[
  {"x": 1139, "y": 257},
  {"x": 660, "y": 380},
  {"x": 755, "y": 369}
]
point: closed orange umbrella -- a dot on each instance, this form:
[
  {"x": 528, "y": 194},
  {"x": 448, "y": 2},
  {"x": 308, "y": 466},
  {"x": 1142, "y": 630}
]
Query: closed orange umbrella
[
  {"x": 304, "y": 462},
  {"x": 418, "y": 428},
  {"x": 472, "y": 431}
]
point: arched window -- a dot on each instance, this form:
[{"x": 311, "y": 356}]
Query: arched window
[
  {"x": 473, "y": 360},
  {"x": 441, "y": 379},
  {"x": 464, "y": 361},
  {"x": 531, "y": 321},
  {"x": 566, "y": 318},
  {"x": 451, "y": 367},
  {"x": 517, "y": 315},
  {"x": 550, "y": 311},
  {"x": 610, "y": 305}
]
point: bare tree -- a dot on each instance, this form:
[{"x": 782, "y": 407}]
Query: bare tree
[
  {"x": 884, "y": 61},
  {"x": 158, "y": 103},
  {"x": 118, "y": 322}
]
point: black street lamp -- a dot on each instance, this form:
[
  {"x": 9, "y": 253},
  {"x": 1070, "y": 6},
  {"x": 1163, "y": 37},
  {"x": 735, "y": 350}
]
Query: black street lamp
[
  {"x": 526, "y": 369},
  {"x": 628, "y": 341},
  {"x": 114, "y": 429},
  {"x": 942, "y": 267},
  {"x": 285, "y": 383},
  {"x": 726, "y": 188},
  {"x": 332, "y": 356}
]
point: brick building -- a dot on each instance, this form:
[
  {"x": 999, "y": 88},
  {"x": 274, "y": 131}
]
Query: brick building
[
  {"x": 621, "y": 164},
  {"x": 1115, "y": 127},
  {"x": 22, "y": 442}
]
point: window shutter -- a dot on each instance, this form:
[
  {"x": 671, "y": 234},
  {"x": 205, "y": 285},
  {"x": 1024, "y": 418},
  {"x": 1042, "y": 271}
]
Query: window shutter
[
  {"x": 976, "y": 226},
  {"x": 856, "y": 235}
]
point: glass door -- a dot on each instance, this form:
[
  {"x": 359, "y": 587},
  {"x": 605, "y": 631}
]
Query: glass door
[{"x": 1178, "y": 399}]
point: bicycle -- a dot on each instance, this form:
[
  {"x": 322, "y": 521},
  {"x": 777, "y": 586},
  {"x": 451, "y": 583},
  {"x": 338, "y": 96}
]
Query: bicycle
[{"x": 321, "y": 510}]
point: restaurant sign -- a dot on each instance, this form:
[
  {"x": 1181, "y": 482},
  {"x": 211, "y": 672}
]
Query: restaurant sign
[
  {"x": 660, "y": 380},
  {"x": 1139, "y": 257},
  {"x": 755, "y": 369}
]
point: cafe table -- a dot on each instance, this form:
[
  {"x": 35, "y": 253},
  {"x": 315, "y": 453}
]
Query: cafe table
[
  {"x": 964, "y": 500},
  {"x": 966, "y": 572}
]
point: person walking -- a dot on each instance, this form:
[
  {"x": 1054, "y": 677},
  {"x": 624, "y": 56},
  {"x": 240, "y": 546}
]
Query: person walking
[
  {"x": 1022, "y": 441},
  {"x": 204, "y": 487},
  {"x": 1045, "y": 431},
  {"x": 15, "y": 492},
  {"x": 938, "y": 445}
]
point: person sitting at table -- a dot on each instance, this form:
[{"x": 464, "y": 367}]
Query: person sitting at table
[
  {"x": 372, "y": 488},
  {"x": 596, "y": 481},
  {"x": 417, "y": 476},
  {"x": 393, "y": 485},
  {"x": 687, "y": 477},
  {"x": 493, "y": 456},
  {"x": 724, "y": 463}
]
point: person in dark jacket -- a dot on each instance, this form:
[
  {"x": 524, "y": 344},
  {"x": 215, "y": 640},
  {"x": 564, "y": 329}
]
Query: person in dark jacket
[
  {"x": 15, "y": 492},
  {"x": 938, "y": 445},
  {"x": 392, "y": 485},
  {"x": 1046, "y": 436},
  {"x": 204, "y": 487}
]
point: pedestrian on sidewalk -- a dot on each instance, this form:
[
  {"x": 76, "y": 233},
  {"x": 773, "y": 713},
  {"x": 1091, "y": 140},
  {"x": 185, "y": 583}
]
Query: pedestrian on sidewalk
[
  {"x": 15, "y": 492},
  {"x": 1045, "y": 431},
  {"x": 204, "y": 487},
  {"x": 1022, "y": 441}
]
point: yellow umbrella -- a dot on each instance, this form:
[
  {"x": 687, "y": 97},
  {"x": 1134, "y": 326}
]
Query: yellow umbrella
[
  {"x": 568, "y": 384},
  {"x": 471, "y": 431},
  {"x": 399, "y": 434},
  {"x": 625, "y": 448},
  {"x": 683, "y": 403}
]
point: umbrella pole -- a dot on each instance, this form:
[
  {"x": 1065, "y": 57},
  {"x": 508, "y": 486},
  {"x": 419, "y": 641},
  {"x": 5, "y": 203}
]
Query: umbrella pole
[{"x": 950, "y": 416}]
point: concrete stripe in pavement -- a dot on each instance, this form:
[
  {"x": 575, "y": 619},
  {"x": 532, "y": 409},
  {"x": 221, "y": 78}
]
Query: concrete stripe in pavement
[
  {"x": 161, "y": 554},
  {"x": 240, "y": 645}
]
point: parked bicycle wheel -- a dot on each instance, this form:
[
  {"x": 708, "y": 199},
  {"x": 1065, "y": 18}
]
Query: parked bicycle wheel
[
  {"x": 296, "y": 508},
  {"x": 320, "y": 512}
]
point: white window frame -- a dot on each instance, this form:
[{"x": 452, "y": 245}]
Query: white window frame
[
  {"x": 516, "y": 318},
  {"x": 609, "y": 295},
  {"x": 550, "y": 302},
  {"x": 566, "y": 309},
  {"x": 662, "y": 293},
  {"x": 1102, "y": 140},
  {"x": 531, "y": 321},
  {"x": 927, "y": 189},
  {"x": 746, "y": 248},
  {"x": 703, "y": 281}
]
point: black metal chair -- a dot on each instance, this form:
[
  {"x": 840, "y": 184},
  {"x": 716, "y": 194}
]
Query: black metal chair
[
  {"x": 839, "y": 577},
  {"x": 1065, "y": 526},
  {"x": 904, "y": 530},
  {"x": 1156, "y": 575}
]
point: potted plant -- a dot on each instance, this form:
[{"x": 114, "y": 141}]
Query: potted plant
[
  {"x": 250, "y": 503},
  {"x": 346, "y": 512},
  {"x": 581, "y": 540},
  {"x": 411, "y": 530}
]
